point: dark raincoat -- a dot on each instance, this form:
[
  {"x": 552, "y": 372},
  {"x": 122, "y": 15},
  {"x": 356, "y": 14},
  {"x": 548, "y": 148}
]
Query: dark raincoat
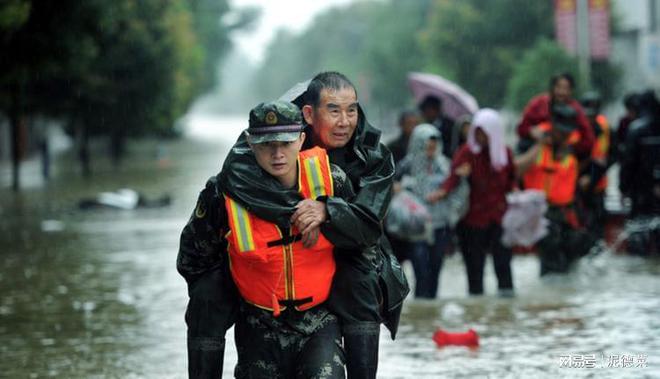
[
  {"x": 355, "y": 227},
  {"x": 640, "y": 161}
]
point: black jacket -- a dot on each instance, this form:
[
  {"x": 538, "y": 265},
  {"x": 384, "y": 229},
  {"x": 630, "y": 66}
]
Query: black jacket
[{"x": 640, "y": 166}]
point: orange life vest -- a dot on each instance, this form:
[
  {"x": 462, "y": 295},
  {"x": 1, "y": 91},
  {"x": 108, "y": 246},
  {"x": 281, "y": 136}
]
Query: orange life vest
[
  {"x": 273, "y": 271},
  {"x": 601, "y": 148},
  {"x": 556, "y": 178},
  {"x": 573, "y": 138}
]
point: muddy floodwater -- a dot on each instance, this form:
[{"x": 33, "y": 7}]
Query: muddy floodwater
[{"x": 95, "y": 294}]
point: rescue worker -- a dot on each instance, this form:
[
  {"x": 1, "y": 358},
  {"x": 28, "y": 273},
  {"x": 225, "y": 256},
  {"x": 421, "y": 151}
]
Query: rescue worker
[
  {"x": 283, "y": 277},
  {"x": 552, "y": 167},
  {"x": 640, "y": 175},
  {"x": 369, "y": 285},
  {"x": 593, "y": 171},
  {"x": 539, "y": 110}
]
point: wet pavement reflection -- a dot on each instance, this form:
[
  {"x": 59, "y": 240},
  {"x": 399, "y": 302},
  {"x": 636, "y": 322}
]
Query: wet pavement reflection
[{"x": 96, "y": 293}]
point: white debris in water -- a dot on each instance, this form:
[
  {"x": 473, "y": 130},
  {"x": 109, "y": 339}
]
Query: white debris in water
[
  {"x": 50, "y": 226},
  {"x": 452, "y": 310},
  {"x": 85, "y": 306},
  {"x": 47, "y": 341},
  {"x": 126, "y": 298}
]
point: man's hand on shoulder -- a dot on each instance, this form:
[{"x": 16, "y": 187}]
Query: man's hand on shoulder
[{"x": 309, "y": 214}]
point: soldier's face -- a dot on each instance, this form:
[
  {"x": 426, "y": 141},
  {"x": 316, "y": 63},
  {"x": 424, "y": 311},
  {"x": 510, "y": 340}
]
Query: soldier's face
[
  {"x": 335, "y": 118},
  {"x": 279, "y": 158}
]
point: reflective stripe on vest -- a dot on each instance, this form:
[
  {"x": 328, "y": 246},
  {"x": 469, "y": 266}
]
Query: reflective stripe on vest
[
  {"x": 601, "y": 148},
  {"x": 556, "y": 178},
  {"x": 272, "y": 271},
  {"x": 315, "y": 178},
  {"x": 241, "y": 226}
]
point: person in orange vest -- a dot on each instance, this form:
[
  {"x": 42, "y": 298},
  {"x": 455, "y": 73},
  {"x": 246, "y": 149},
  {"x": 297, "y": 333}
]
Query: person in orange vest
[
  {"x": 282, "y": 278},
  {"x": 593, "y": 173},
  {"x": 551, "y": 166},
  {"x": 539, "y": 110}
]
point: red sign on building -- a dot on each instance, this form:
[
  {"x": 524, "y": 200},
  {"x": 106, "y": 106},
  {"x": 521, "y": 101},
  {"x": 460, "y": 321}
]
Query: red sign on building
[
  {"x": 599, "y": 26},
  {"x": 566, "y": 24}
]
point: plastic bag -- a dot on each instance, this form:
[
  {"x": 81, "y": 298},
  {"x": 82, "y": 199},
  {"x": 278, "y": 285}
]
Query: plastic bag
[
  {"x": 524, "y": 222},
  {"x": 458, "y": 202},
  {"x": 408, "y": 218}
]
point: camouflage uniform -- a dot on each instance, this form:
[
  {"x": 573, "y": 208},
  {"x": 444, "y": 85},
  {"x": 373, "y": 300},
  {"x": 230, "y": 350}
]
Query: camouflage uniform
[
  {"x": 294, "y": 345},
  {"x": 213, "y": 305},
  {"x": 565, "y": 243}
]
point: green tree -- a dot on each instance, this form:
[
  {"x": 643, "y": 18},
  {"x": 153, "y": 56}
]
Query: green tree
[
  {"x": 477, "y": 43},
  {"x": 531, "y": 75},
  {"x": 373, "y": 43},
  {"x": 115, "y": 69},
  {"x": 39, "y": 41}
]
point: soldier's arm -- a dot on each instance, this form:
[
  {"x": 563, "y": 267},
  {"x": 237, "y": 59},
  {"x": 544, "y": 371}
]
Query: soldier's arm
[{"x": 202, "y": 245}]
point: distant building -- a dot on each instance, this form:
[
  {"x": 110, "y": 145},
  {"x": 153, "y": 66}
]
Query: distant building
[{"x": 636, "y": 45}]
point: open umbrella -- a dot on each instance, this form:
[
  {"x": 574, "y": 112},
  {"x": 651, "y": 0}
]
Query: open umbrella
[
  {"x": 456, "y": 102},
  {"x": 293, "y": 94}
]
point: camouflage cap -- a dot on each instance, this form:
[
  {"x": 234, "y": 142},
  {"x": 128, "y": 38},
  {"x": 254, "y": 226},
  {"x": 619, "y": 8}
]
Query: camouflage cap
[
  {"x": 274, "y": 121},
  {"x": 564, "y": 117}
]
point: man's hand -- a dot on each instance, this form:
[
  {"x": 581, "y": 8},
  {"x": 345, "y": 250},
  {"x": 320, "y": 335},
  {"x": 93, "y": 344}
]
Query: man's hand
[
  {"x": 584, "y": 182},
  {"x": 309, "y": 214},
  {"x": 436, "y": 195},
  {"x": 310, "y": 239},
  {"x": 537, "y": 133},
  {"x": 464, "y": 170}
]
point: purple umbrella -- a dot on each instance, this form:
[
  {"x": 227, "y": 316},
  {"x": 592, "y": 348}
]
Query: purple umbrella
[{"x": 455, "y": 101}]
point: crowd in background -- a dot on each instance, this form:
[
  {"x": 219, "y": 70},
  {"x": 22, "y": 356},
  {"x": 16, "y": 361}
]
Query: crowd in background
[{"x": 455, "y": 175}]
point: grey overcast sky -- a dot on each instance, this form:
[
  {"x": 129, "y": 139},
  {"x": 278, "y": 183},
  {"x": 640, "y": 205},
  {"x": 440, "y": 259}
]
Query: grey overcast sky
[{"x": 290, "y": 14}]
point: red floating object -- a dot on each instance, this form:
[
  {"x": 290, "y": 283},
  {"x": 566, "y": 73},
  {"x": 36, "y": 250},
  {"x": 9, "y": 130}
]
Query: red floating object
[{"x": 443, "y": 338}]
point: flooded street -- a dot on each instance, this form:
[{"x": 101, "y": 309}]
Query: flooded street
[{"x": 95, "y": 294}]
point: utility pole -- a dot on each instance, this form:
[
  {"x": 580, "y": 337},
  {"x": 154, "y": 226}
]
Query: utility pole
[{"x": 583, "y": 47}]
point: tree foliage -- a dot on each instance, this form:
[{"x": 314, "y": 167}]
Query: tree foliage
[
  {"x": 375, "y": 44},
  {"x": 477, "y": 43},
  {"x": 531, "y": 75},
  {"x": 113, "y": 68},
  {"x": 135, "y": 65}
]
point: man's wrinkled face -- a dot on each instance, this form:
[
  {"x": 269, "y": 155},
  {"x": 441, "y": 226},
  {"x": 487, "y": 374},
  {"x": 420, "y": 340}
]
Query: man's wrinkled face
[
  {"x": 334, "y": 119},
  {"x": 279, "y": 158},
  {"x": 562, "y": 91}
]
